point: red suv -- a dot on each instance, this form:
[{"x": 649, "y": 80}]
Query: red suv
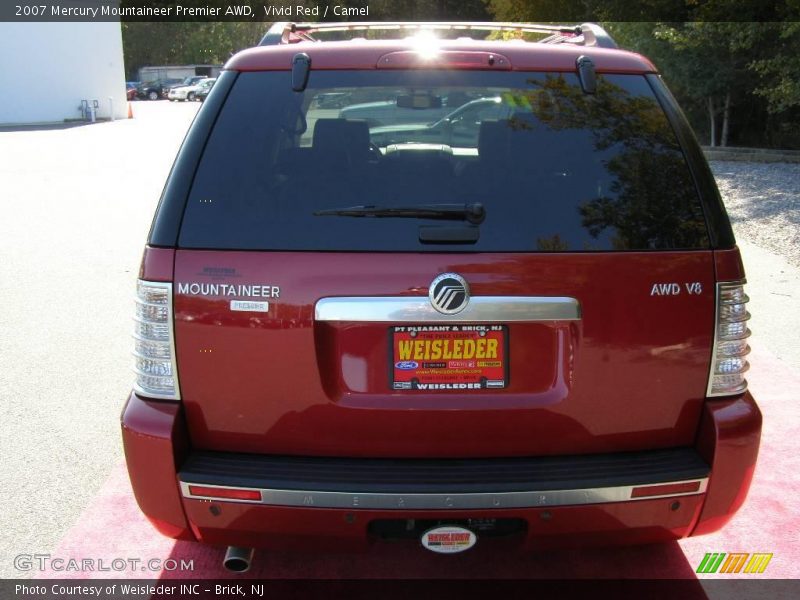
[{"x": 529, "y": 325}]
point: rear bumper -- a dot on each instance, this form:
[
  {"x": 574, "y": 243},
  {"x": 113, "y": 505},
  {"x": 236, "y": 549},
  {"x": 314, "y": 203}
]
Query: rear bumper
[{"x": 304, "y": 503}]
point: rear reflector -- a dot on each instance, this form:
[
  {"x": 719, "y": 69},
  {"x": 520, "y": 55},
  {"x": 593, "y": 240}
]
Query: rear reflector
[
  {"x": 729, "y": 362},
  {"x": 154, "y": 342},
  {"x": 226, "y": 493},
  {"x": 668, "y": 489}
]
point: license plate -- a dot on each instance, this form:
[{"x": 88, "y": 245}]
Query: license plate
[{"x": 448, "y": 357}]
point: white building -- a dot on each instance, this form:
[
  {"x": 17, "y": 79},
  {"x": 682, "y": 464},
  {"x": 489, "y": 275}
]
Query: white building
[{"x": 48, "y": 68}]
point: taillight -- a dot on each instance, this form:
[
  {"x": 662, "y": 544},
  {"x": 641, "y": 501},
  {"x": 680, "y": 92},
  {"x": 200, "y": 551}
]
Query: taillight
[
  {"x": 729, "y": 362},
  {"x": 154, "y": 342},
  {"x": 226, "y": 493}
]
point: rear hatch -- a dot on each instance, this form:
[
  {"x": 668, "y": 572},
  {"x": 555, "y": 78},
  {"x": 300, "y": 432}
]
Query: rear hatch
[{"x": 576, "y": 314}]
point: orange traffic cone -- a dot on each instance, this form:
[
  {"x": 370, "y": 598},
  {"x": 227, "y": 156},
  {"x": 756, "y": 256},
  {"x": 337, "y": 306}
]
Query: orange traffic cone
[{"x": 130, "y": 111}]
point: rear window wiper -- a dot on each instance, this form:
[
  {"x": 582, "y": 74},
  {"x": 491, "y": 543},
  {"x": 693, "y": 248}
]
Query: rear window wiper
[{"x": 473, "y": 213}]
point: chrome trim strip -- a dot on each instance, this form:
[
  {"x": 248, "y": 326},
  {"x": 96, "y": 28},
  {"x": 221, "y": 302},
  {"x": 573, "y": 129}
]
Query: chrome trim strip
[
  {"x": 418, "y": 309},
  {"x": 471, "y": 501}
]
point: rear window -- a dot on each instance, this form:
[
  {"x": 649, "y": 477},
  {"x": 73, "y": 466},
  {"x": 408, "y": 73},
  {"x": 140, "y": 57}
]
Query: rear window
[{"x": 554, "y": 169}]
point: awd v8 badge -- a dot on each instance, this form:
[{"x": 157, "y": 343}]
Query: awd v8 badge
[{"x": 449, "y": 539}]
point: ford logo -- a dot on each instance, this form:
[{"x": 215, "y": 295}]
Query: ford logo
[{"x": 406, "y": 365}]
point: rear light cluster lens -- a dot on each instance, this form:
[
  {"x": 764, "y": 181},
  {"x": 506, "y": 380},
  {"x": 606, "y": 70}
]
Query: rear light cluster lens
[
  {"x": 154, "y": 342},
  {"x": 729, "y": 362},
  {"x": 225, "y": 493}
]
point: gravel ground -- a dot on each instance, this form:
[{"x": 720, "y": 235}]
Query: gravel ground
[{"x": 763, "y": 202}]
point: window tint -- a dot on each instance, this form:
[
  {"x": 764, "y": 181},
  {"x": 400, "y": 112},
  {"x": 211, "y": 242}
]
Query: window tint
[{"x": 554, "y": 168}]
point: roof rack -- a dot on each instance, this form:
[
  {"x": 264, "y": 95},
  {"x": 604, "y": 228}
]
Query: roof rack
[{"x": 586, "y": 34}]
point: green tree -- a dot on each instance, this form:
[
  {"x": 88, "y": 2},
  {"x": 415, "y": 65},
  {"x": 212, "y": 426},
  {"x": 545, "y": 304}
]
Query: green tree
[
  {"x": 707, "y": 62},
  {"x": 780, "y": 82},
  {"x": 162, "y": 43},
  {"x": 736, "y": 80}
]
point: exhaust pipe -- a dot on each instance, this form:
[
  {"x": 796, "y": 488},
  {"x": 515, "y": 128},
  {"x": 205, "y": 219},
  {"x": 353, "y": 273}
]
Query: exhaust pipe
[{"x": 238, "y": 559}]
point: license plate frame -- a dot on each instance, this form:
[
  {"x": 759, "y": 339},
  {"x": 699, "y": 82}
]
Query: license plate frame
[{"x": 447, "y": 366}]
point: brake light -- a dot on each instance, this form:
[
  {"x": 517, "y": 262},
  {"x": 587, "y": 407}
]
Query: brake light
[
  {"x": 729, "y": 361},
  {"x": 154, "y": 342}
]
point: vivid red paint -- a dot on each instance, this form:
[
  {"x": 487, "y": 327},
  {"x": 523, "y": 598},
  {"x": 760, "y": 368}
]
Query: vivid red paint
[
  {"x": 367, "y": 54},
  {"x": 728, "y": 264},
  {"x": 631, "y": 375},
  {"x": 155, "y": 433},
  {"x": 728, "y": 439},
  {"x": 335, "y": 530},
  {"x": 155, "y": 440},
  {"x": 157, "y": 264}
]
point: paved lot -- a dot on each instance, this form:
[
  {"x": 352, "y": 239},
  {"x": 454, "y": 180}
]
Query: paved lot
[{"x": 76, "y": 206}]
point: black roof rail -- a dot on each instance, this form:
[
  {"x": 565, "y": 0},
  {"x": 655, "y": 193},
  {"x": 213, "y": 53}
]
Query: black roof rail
[{"x": 587, "y": 34}]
